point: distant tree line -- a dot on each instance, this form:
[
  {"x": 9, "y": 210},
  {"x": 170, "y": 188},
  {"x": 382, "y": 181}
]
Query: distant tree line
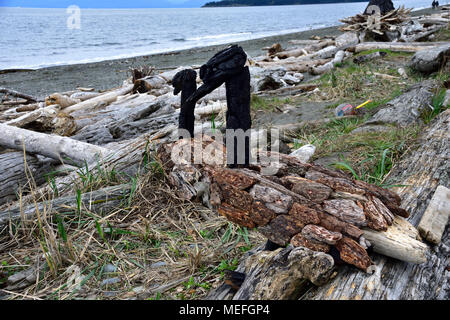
[{"x": 237, "y": 3}]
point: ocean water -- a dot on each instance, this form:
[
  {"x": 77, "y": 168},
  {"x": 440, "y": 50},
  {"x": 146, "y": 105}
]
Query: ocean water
[{"x": 36, "y": 38}]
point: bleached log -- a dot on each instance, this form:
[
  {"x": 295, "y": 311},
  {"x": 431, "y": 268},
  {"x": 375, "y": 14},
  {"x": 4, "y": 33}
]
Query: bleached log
[
  {"x": 51, "y": 146},
  {"x": 48, "y": 112},
  {"x": 338, "y": 58},
  {"x": 435, "y": 218},
  {"x": 398, "y": 242},
  {"x": 304, "y": 50},
  {"x": 103, "y": 99},
  {"x": 298, "y": 65},
  {"x": 393, "y": 46},
  {"x": 62, "y": 100},
  {"x": 421, "y": 35}
]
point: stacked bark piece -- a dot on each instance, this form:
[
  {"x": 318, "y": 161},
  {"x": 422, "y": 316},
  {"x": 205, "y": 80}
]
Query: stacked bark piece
[{"x": 303, "y": 204}]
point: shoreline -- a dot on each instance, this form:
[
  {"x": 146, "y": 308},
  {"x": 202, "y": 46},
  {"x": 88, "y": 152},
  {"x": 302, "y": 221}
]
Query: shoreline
[{"x": 107, "y": 74}]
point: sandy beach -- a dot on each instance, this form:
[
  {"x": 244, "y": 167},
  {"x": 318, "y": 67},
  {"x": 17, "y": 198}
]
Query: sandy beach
[{"x": 111, "y": 73}]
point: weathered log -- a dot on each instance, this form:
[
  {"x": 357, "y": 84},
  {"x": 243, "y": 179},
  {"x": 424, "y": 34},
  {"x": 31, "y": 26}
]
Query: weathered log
[
  {"x": 61, "y": 100},
  {"x": 126, "y": 158},
  {"x": 305, "y": 50},
  {"x": 432, "y": 59},
  {"x": 338, "y": 58},
  {"x": 421, "y": 35},
  {"x": 421, "y": 171},
  {"x": 102, "y": 200},
  {"x": 278, "y": 275},
  {"x": 394, "y": 46},
  {"x": 15, "y": 175},
  {"x": 100, "y": 100},
  {"x": 18, "y": 94},
  {"x": 52, "y": 146}
]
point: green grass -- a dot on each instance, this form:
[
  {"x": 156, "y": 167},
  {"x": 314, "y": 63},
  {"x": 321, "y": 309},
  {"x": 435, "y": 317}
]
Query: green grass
[
  {"x": 437, "y": 105},
  {"x": 268, "y": 104}
]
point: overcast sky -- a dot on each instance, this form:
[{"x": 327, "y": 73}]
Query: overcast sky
[{"x": 104, "y": 3}]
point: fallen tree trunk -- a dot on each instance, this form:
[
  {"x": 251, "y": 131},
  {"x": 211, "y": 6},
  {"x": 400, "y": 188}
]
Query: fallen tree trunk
[
  {"x": 18, "y": 94},
  {"x": 103, "y": 200},
  {"x": 329, "y": 65},
  {"x": 394, "y": 46},
  {"x": 100, "y": 100},
  {"x": 421, "y": 172},
  {"x": 51, "y": 146},
  {"x": 304, "y": 50},
  {"x": 15, "y": 175}
]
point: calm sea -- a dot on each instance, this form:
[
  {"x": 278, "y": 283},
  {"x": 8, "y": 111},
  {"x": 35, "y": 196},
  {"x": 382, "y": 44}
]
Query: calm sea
[{"x": 35, "y": 38}]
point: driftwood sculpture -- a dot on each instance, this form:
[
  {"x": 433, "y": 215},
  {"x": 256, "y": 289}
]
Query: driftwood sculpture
[
  {"x": 185, "y": 81},
  {"x": 228, "y": 66}
]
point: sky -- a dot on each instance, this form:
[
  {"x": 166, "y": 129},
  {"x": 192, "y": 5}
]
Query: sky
[{"x": 104, "y": 3}]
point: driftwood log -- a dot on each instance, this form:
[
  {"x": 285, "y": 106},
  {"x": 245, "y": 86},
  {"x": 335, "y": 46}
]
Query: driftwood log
[
  {"x": 51, "y": 146},
  {"x": 99, "y": 201},
  {"x": 16, "y": 171}
]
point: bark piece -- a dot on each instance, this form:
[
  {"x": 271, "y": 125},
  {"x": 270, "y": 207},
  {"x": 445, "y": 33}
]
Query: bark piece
[
  {"x": 304, "y": 214},
  {"x": 273, "y": 199},
  {"x": 300, "y": 241},
  {"x": 311, "y": 190},
  {"x": 352, "y": 253},
  {"x": 281, "y": 229},
  {"x": 375, "y": 219},
  {"x": 346, "y": 210},
  {"x": 335, "y": 183},
  {"x": 321, "y": 234},
  {"x": 334, "y": 224},
  {"x": 236, "y": 215}
]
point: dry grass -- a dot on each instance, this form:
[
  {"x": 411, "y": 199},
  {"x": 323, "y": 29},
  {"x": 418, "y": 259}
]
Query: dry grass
[{"x": 155, "y": 246}]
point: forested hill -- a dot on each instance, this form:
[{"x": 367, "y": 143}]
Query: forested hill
[{"x": 237, "y": 3}]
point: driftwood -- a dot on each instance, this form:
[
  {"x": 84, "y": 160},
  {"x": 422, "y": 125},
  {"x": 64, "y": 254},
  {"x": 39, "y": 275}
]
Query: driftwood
[
  {"x": 432, "y": 59},
  {"x": 52, "y": 146},
  {"x": 18, "y": 94},
  {"x": 278, "y": 275},
  {"x": 15, "y": 175},
  {"x": 421, "y": 172},
  {"x": 338, "y": 58},
  {"x": 393, "y": 46},
  {"x": 100, "y": 100},
  {"x": 102, "y": 200},
  {"x": 304, "y": 50},
  {"x": 435, "y": 218}
]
